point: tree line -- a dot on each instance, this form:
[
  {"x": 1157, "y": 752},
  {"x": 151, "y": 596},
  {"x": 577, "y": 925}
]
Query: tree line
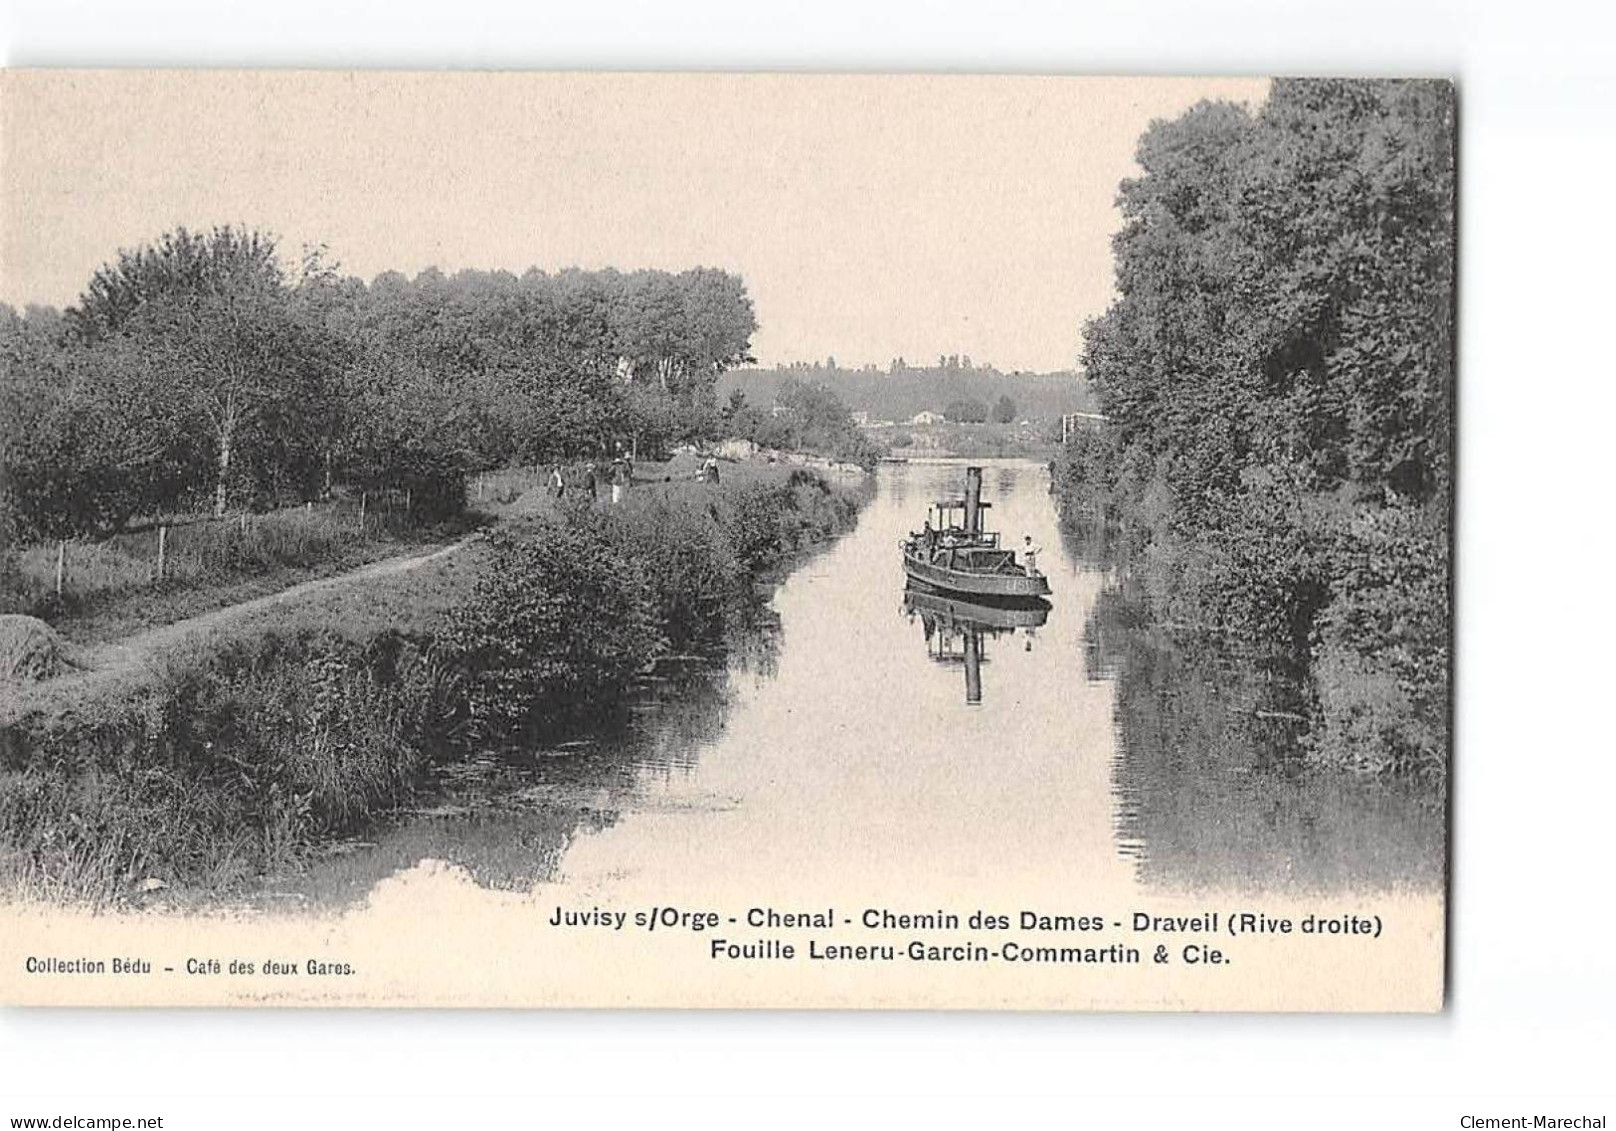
[
  {"x": 899, "y": 395},
  {"x": 1277, "y": 374},
  {"x": 202, "y": 371}
]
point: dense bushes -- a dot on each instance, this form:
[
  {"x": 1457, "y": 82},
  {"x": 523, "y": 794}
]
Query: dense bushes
[
  {"x": 1277, "y": 380},
  {"x": 573, "y": 610},
  {"x": 1382, "y": 647},
  {"x": 688, "y": 560},
  {"x": 562, "y": 620},
  {"x": 764, "y": 523}
]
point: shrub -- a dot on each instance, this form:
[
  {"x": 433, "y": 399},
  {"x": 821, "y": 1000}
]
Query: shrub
[
  {"x": 562, "y": 620},
  {"x": 685, "y": 554},
  {"x": 1381, "y": 659}
]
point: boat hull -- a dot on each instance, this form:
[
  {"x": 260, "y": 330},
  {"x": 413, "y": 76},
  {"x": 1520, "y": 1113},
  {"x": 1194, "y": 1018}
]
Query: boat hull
[
  {"x": 1000, "y": 586},
  {"x": 994, "y": 616}
]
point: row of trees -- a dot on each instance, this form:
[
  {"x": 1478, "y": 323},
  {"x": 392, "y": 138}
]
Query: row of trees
[
  {"x": 1277, "y": 373},
  {"x": 203, "y": 370}
]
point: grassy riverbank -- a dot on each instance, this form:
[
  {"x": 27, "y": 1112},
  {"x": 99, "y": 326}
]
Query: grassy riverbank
[
  {"x": 292, "y": 728},
  {"x": 111, "y": 587}
]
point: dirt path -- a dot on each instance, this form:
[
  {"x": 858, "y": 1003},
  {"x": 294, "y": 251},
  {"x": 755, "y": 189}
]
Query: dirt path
[
  {"x": 103, "y": 667},
  {"x": 108, "y": 668},
  {"x": 133, "y": 649}
]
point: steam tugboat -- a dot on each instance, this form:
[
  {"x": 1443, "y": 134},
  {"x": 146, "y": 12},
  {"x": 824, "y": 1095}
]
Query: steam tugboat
[{"x": 956, "y": 555}]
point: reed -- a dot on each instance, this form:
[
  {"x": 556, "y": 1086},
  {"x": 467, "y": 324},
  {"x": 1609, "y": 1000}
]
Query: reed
[{"x": 228, "y": 765}]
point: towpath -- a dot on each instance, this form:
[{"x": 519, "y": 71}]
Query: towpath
[{"x": 100, "y": 668}]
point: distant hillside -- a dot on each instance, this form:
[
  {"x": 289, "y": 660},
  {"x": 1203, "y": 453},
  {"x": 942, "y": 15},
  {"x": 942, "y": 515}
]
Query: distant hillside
[{"x": 900, "y": 394}]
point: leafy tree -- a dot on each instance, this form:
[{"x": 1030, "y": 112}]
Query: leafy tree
[
  {"x": 681, "y": 331},
  {"x": 214, "y": 312},
  {"x": 1004, "y": 409},
  {"x": 87, "y": 438},
  {"x": 966, "y": 411}
]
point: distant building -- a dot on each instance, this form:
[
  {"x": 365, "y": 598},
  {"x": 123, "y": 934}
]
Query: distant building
[
  {"x": 928, "y": 417},
  {"x": 860, "y": 417}
]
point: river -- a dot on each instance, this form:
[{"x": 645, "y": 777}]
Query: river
[{"x": 922, "y": 750}]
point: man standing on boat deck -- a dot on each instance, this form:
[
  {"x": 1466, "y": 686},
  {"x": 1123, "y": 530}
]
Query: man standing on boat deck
[{"x": 1029, "y": 553}]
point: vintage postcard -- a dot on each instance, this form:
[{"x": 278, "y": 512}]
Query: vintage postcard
[{"x": 719, "y": 540}]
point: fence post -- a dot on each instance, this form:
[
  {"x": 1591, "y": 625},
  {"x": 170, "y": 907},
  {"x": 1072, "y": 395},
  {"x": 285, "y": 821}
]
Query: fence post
[
  {"x": 244, "y": 524},
  {"x": 61, "y": 565},
  {"x": 479, "y": 488},
  {"x": 408, "y": 494},
  {"x": 162, "y": 548},
  {"x": 362, "y": 495}
]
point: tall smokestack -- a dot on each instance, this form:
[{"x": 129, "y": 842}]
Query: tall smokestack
[{"x": 973, "y": 499}]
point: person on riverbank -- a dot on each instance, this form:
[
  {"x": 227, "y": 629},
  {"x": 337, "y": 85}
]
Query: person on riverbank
[
  {"x": 558, "y": 483},
  {"x": 620, "y": 476},
  {"x": 591, "y": 481}
]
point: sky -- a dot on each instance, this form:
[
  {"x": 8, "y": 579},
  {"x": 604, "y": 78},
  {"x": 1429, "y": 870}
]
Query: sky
[{"x": 870, "y": 216}]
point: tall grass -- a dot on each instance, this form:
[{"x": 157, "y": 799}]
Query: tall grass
[
  {"x": 227, "y": 766},
  {"x": 198, "y": 552}
]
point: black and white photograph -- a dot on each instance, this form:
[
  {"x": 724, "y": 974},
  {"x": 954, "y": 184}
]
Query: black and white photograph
[
  {"x": 726, "y": 540},
  {"x": 805, "y": 566}
]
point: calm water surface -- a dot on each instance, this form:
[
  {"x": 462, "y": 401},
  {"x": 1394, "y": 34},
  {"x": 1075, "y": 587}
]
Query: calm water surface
[{"x": 918, "y": 737}]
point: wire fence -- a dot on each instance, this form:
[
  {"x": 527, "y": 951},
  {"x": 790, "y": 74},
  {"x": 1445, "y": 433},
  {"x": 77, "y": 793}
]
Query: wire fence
[
  {"x": 195, "y": 548},
  {"x": 191, "y": 549}
]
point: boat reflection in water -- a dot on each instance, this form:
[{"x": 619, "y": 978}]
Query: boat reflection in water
[{"x": 956, "y": 628}]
